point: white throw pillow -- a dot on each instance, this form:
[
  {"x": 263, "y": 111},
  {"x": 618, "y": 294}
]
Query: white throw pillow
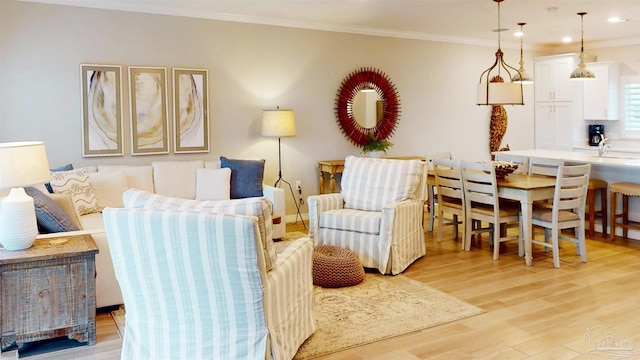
[
  {"x": 76, "y": 184},
  {"x": 213, "y": 184},
  {"x": 108, "y": 187}
]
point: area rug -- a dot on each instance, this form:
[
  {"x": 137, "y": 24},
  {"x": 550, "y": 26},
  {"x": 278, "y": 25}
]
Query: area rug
[{"x": 379, "y": 308}]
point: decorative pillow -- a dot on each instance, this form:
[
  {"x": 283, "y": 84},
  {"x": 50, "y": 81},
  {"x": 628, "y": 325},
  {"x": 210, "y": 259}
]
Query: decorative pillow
[
  {"x": 213, "y": 184},
  {"x": 246, "y": 177},
  {"x": 51, "y": 218},
  {"x": 76, "y": 184},
  {"x": 67, "y": 167},
  {"x": 371, "y": 183},
  {"x": 108, "y": 187},
  {"x": 256, "y": 206}
]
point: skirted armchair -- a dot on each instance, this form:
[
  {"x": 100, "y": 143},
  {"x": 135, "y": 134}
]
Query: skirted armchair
[
  {"x": 195, "y": 286},
  {"x": 378, "y": 213}
]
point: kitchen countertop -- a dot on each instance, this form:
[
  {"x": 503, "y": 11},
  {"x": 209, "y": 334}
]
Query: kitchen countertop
[{"x": 613, "y": 160}]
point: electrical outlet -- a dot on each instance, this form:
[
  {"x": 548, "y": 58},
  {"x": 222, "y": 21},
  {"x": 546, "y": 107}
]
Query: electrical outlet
[{"x": 298, "y": 185}]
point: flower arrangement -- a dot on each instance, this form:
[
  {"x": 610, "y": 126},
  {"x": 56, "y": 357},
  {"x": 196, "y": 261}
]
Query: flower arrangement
[{"x": 373, "y": 144}]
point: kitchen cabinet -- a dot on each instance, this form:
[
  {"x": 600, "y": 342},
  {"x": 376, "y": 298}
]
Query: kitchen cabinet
[
  {"x": 601, "y": 100},
  {"x": 555, "y": 108},
  {"x": 553, "y": 129},
  {"x": 552, "y": 77}
]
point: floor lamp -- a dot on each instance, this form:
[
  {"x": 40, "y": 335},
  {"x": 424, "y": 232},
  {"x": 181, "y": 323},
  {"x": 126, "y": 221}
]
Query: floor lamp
[{"x": 281, "y": 123}]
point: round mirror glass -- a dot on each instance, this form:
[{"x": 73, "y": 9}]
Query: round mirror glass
[
  {"x": 367, "y": 108},
  {"x": 367, "y": 102}
]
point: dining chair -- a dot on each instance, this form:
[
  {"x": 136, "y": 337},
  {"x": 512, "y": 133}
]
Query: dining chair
[
  {"x": 521, "y": 160},
  {"x": 450, "y": 195},
  {"x": 567, "y": 211},
  {"x": 483, "y": 204},
  {"x": 431, "y": 197},
  {"x": 544, "y": 166}
]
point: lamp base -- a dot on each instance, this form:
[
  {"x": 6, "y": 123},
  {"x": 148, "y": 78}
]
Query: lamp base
[{"x": 18, "y": 226}]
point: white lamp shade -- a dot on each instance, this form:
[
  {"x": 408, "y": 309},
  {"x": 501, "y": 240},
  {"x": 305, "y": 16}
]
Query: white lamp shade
[
  {"x": 23, "y": 164},
  {"x": 522, "y": 77},
  {"x": 582, "y": 73},
  {"x": 278, "y": 123},
  {"x": 500, "y": 93}
]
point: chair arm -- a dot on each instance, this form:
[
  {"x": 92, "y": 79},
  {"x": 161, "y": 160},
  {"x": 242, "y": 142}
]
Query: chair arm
[
  {"x": 316, "y": 204},
  {"x": 288, "y": 299},
  {"x": 401, "y": 222},
  {"x": 276, "y": 196}
]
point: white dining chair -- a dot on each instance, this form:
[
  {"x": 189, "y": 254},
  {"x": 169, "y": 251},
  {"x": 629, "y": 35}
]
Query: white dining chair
[
  {"x": 521, "y": 160},
  {"x": 544, "y": 166},
  {"x": 483, "y": 204},
  {"x": 567, "y": 211},
  {"x": 450, "y": 195},
  {"x": 431, "y": 197}
]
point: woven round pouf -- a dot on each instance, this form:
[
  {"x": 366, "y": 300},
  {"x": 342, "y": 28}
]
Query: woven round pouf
[{"x": 336, "y": 267}]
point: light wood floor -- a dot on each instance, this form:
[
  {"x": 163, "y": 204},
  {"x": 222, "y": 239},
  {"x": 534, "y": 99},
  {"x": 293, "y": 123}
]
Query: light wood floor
[{"x": 536, "y": 312}]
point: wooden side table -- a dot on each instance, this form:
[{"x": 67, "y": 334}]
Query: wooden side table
[
  {"x": 49, "y": 291},
  {"x": 332, "y": 167}
]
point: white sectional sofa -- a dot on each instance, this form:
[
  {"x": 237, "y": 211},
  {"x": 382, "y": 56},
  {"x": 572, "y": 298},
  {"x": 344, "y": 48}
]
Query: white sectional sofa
[{"x": 168, "y": 178}]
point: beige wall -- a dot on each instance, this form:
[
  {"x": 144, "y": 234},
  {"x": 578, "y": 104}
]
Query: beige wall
[{"x": 251, "y": 67}]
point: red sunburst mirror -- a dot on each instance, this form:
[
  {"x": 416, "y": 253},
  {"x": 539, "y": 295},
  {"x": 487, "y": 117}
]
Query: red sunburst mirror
[{"x": 388, "y": 109}]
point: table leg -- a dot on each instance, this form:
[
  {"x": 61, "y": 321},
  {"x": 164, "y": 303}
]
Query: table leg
[
  {"x": 321, "y": 183},
  {"x": 431, "y": 207},
  {"x": 527, "y": 212},
  {"x": 332, "y": 182}
]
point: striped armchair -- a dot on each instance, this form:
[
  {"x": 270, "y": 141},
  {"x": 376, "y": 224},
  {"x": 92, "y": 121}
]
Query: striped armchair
[
  {"x": 195, "y": 286},
  {"x": 378, "y": 213}
]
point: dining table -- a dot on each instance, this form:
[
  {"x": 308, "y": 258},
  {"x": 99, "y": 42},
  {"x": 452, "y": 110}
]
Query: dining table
[{"x": 523, "y": 188}]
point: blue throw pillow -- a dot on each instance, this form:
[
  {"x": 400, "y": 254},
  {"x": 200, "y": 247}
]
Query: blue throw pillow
[
  {"x": 51, "y": 218},
  {"x": 246, "y": 177},
  {"x": 67, "y": 167}
]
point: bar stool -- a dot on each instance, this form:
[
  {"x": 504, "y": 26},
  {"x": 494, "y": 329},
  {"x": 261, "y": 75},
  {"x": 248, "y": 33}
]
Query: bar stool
[
  {"x": 626, "y": 189},
  {"x": 597, "y": 185}
]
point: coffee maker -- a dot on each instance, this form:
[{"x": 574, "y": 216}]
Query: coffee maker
[{"x": 596, "y": 134}]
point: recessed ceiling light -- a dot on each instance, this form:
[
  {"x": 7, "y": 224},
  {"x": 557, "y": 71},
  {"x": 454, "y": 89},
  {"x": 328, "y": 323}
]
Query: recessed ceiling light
[
  {"x": 615, "y": 20},
  {"x": 518, "y": 33},
  {"x": 566, "y": 39}
]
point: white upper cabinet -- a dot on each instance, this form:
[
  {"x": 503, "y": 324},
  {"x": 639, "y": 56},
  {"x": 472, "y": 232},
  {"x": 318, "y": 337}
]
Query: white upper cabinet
[
  {"x": 552, "y": 77},
  {"x": 601, "y": 95}
]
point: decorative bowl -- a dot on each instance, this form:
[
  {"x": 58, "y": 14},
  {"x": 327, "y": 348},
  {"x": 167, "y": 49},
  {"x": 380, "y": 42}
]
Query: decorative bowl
[{"x": 504, "y": 168}]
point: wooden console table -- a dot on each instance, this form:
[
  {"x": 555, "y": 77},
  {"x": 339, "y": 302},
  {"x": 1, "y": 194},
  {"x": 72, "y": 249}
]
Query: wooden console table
[
  {"x": 333, "y": 167},
  {"x": 48, "y": 291}
]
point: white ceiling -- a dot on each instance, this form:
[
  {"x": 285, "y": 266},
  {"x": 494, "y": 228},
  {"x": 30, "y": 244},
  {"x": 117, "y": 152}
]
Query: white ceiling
[{"x": 464, "y": 21}]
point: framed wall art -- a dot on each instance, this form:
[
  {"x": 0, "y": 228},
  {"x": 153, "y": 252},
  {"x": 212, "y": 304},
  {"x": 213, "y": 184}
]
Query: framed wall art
[
  {"x": 102, "y": 123},
  {"x": 148, "y": 104},
  {"x": 190, "y": 111}
]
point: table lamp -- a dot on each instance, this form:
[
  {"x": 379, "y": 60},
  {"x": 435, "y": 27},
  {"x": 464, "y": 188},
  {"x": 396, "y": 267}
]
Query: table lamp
[
  {"x": 280, "y": 123},
  {"x": 21, "y": 164}
]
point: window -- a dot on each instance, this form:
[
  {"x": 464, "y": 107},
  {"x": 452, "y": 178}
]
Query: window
[{"x": 631, "y": 105}]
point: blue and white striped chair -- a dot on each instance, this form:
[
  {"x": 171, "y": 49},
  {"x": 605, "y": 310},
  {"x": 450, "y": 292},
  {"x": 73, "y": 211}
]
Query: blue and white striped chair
[
  {"x": 378, "y": 213},
  {"x": 195, "y": 286}
]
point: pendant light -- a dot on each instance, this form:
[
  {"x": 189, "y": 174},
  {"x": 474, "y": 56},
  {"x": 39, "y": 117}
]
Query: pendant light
[
  {"x": 522, "y": 76},
  {"x": 582, "y": 73},
  {"x": 498, "y": 92}
]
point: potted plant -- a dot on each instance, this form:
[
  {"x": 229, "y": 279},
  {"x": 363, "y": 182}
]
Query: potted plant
[{"x": 374, "y": 147}]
